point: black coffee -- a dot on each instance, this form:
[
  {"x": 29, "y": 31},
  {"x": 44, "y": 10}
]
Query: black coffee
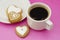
[{"x": 39, "y": 13}]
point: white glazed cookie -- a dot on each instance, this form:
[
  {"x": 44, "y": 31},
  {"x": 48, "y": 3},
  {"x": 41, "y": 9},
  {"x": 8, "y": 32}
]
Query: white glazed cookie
[
  {"x": 14, "y": 14},
  {"x": 22, "y": 31}
]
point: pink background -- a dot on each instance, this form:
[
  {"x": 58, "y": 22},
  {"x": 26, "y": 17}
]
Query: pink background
[{"x": 7, "y": 32}]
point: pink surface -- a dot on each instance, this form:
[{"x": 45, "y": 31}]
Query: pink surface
[{"x": 7, "y": 32}]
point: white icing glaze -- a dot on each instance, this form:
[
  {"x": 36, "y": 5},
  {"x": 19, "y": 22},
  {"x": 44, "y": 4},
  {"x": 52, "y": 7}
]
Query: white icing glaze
[
  {"x": 14, "y": 16},
  {"x": 14, "y": 9},
  {"x": 21, "y": 30}
]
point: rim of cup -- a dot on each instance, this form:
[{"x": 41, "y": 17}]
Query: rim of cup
[{"x": 41, "y": 4}]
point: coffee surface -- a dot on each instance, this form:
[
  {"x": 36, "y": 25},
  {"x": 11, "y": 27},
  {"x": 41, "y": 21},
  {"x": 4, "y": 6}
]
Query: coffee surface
[{"x": 38, "y": 13}]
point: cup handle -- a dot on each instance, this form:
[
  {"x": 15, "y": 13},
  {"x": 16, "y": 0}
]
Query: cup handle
[{"x": 49, "y": 25}]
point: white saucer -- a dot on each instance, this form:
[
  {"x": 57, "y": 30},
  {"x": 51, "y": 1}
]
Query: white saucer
[{"x": 24, "y": 4}]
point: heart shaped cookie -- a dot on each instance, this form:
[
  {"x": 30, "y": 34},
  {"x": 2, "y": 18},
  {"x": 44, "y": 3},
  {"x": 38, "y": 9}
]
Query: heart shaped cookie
[
  {"x": 14, "y": 14},
  {"x": 22, "y": 31}
]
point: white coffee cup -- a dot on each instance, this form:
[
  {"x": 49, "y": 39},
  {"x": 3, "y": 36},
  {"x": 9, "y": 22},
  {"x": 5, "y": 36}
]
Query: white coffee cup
[{"x": 41, "y": 24}]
